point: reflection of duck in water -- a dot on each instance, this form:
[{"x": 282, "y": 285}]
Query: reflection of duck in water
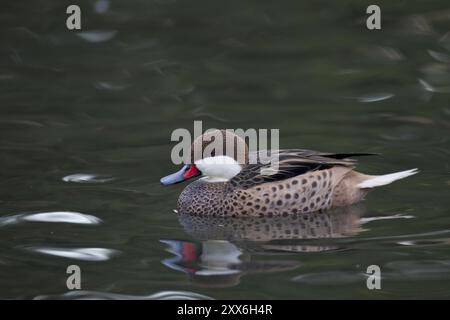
[
  {"x": 287, "y": 232},
  {"x": 227, "y": 247},
  {"x": 218, "y": 263},
  {"x": 239, "y": 183}
]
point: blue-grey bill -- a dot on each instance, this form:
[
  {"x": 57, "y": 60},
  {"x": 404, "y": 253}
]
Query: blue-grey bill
[{"x": 176, "y": 177}]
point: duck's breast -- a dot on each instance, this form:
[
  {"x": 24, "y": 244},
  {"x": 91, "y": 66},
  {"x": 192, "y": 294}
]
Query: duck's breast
[{"x": 202, "y": 198}]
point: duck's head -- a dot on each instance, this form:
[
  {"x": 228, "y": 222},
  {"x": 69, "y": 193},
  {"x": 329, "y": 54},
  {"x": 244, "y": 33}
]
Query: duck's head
[{"x": 218, "y": 155}]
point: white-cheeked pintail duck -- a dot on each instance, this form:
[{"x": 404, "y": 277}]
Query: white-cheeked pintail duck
[{"x": 305, "y": 181}]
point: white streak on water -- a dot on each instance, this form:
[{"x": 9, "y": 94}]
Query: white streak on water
[
  {"x": 56, "y": 216},
  {"x": 63, "y": 216},
  {"x": 85, "y": 254},
  {"x": 97, "y": 35},
  {"x": 96, "y": 295},
  {"x": 395, "y": 216},
  {"x": 375, "y": 97},
  {"x": 86, "y": 178}
]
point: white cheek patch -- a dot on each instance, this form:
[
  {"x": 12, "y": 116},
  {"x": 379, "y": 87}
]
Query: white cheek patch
[{"x": 220, "y": 168}]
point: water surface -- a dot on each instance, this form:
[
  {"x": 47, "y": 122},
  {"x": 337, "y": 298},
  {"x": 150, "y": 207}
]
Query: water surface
[{"x": 85, "y": 124}]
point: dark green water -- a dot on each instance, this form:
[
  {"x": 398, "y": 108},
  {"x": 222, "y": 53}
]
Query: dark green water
[{"x": 104, "y": 102}]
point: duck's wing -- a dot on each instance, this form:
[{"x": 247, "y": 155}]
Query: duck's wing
[{"x": 276, "y": 165}]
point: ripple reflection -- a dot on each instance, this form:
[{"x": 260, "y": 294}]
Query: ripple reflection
[
  {"x": 96, "y": 295},
  {"x": 86, "y": 178},
  {"x": 53, "y": 217},
  {"x": 225, "y": 249},
  {"x": 85, "y": 254}
]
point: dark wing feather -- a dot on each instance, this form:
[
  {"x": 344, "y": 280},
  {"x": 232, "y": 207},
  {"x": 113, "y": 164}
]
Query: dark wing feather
[
  {"x": 349, "y": 155},
  {"x": 290, "y": 163}
]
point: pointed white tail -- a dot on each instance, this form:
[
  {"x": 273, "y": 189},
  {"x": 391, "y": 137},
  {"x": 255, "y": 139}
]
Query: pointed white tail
[{"x": 377, "y": 181}]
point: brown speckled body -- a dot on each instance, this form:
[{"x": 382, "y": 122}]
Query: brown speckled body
[
  {"x": 302, "y": 181},
  {"x": 309, "y": 192}
]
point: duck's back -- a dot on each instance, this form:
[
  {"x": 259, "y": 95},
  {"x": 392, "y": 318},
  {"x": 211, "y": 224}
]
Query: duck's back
[{"x": 309, "y": 192}]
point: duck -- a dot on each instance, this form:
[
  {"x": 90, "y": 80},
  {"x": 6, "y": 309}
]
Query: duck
[{"x": 303, "y": 181}]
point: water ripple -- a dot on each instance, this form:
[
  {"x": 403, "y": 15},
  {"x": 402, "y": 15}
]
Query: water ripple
[
  {"x": 57, "y": 216},
  {"x": 86, "y": 254},
  {"x": 329, "y": 278},
  {"x": 424, "y": 270},
  {"x": 97, "y": 35},
  {"x": 96, "y": 295},
  {"x": 404, "y": 236},
  {"x": 397, "y": 270},
  {"x": 108, "y": 86},
  {"x": 395, "y": 216},
  {"x": 375, "y": 97},
  {"x": 439, "y": 56},
  {"x": 86, "y": 178},
  {"x": 430, "y": 88}
]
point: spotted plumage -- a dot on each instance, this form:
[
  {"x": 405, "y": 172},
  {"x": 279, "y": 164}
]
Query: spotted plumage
[{"x": 274, "y": 183}]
